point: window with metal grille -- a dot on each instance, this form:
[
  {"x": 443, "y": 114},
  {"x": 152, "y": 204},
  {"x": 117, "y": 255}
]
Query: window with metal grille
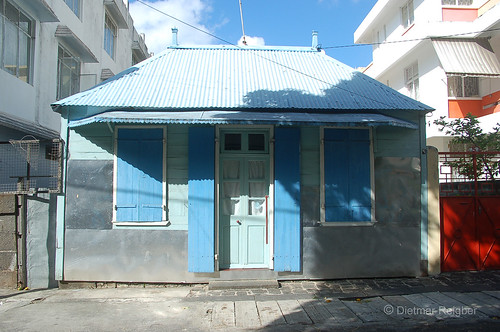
[
  {"x": 16, "y": 41},
  {"x": 457, "y": 2},
  {"x": 463, "y": 86}
]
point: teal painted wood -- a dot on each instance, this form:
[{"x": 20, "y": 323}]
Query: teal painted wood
[
  {"x": 89, "y": 144},
  {"x": 347, "y": 175},
  {"x": 177, "y": 176},
  {"x": 201, "y": 196},
  {"x": 287, "y": 230},
  {"x": 139, "y": 188}
]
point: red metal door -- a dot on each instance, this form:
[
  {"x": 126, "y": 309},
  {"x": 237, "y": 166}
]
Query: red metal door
[
  {"x": 488, "y": 232},
  {"x": 459, "y": 248}
]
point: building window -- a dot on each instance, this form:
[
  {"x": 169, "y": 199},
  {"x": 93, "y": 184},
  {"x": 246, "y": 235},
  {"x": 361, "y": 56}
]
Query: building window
[
  {"x": 457, "y": 2},
  {"x": 407, "y": 14},
  {"x": 68, "y": 74},
  {"x": 347, "y": 175},
  {"x": 463, "y": 86},
  {"x": 110, "y": 32},
  {"x": 74, "y": 5},
  {"x": 140, "y": 194},
  {"x": 411, "y": 81},
  {"x": 16, "y": 41}
]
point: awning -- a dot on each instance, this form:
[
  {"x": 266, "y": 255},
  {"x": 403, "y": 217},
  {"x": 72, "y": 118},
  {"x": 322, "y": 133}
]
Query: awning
[
  {"x": 27, "y": 127},
  {"x": 248, "y": 118},
  {"x": 473, "y": 57},
  {"x": 83, "y": 52},
  {"x": 40, "y": 9}
]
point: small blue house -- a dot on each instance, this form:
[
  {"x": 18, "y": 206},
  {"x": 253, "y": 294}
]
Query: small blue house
[{"x": 222, "y": 162}]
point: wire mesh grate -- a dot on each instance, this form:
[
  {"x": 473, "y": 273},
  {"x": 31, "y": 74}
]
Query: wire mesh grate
[{"x": 30, "y": 166}]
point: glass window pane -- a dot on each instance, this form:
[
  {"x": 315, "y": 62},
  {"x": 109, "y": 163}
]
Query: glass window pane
[
  {"x": 11, "y": 48},
  {"x": 65, "y": 81},
  {"x": 257, "y": 189},
  {"x": 257, "y": 207},
  {"x": 231, "y": 169},
  {"x": 231, "y": 207},
  {"x": 11, "y": 13},
  {"x": 471, "y": 86},
  {"x": 1, "y": 40},
  {"x": 231, "y": 189},
  {"x": 25, "y": 24},
  {"x": 24, "y": 57},
  {"x": 455, "y": 86},
  {"x": 1, "y": 9},
  {"x": 256, "y": 142},
  {"x": 256, "y": 170},
  {"x": 232, "y": 142}
]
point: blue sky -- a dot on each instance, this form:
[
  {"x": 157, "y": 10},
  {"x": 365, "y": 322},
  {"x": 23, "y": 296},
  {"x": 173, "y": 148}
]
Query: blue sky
[{"x": 268, "y": 22}]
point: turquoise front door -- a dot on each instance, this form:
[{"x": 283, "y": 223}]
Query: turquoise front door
[{"x": 244, "y": 200}]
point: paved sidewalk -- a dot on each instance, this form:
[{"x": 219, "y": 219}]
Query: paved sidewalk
[{"x": 465, "y": 301}]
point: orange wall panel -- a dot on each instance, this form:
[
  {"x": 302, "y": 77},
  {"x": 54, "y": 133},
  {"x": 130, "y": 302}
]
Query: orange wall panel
[
  {"x": 459, "y": 14},
  {"x": 459, "y": 108}
]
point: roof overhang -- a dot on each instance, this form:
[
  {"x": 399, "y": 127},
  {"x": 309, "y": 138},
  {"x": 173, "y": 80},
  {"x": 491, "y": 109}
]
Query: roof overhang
[
  {"x": 472, "y": 57},
  {"x": 27, "y": 127},
  {"x": 69, "y": 38},
  {"x": 248, "y": 118}
]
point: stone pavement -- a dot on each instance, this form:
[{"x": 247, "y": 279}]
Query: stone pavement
[{"x": 463, "y": 301}]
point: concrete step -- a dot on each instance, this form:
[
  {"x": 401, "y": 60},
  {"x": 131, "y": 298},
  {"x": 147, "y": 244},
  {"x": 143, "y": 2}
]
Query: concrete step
[{"x": 242, "y": 284}]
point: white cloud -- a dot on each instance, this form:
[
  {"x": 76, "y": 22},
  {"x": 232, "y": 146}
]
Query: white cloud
[
  {"x": 252, "y": 41},
  {"x": 158, "y": 27}
]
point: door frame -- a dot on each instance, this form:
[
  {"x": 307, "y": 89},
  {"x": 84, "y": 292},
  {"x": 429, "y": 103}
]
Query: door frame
[{"x": 270, "y": 226}]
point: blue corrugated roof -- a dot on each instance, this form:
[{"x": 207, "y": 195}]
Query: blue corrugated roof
[{"x": 233, "y": 78}]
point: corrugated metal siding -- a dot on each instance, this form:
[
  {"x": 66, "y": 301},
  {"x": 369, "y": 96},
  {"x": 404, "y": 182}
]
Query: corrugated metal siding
[
  {"x": 235, "y": 78},
  {"x": 467, "y": 56}
]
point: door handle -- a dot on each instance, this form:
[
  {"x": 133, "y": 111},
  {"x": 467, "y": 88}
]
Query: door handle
[{"x": 238, "y": 222}]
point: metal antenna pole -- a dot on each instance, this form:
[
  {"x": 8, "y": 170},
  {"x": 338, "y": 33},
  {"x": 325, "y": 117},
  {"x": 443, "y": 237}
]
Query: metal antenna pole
[{"x": 242, "y": 25}]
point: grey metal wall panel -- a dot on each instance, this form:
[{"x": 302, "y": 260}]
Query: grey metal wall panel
[
  {"x": 359, "y": 252},
  {"x": 89, "y": 194},
  {"x": 397, "y": 190},
  {"x": 126, "y": 255}
]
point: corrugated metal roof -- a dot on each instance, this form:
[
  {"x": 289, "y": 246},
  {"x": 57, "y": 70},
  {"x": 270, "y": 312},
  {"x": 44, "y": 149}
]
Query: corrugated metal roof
[
  {"x": 467, "y": 56},
  {"x": 228, "y": 77},
  {"x": 232, "y": 117}
]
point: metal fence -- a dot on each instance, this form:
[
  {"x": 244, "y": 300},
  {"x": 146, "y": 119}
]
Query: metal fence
[
  {"x": 469, "y": 173},
  {"x": 31, "y": 166}
]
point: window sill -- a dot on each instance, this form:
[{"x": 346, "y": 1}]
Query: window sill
[
  {"x": 346, "y": 223},
  {"x": 465, "y": 98},
  {"x": 138, "y": 223}
]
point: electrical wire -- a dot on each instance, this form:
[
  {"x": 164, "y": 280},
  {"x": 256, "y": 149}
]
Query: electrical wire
[{"x": 296, "y": 70}]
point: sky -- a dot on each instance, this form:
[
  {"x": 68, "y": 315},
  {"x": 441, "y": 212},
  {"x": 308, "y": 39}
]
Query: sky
[{"x": 266, "y": 22}]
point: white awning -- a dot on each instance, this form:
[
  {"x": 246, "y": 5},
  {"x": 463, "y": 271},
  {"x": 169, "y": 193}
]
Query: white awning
[
  {"x": 251, "y": 118},
  {"x": 473, "y": 57}
]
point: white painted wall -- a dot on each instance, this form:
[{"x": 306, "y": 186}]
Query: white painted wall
[{"x": 31, "y": 102}]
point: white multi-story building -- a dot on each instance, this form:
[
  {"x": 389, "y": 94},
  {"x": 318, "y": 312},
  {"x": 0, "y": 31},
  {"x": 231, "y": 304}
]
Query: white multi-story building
[
  {"x": 50, "y": 49},
  {"x": 443, "y": 53}
]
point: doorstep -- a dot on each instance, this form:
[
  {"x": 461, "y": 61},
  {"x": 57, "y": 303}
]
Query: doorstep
[{"x": 242, "y": 284}]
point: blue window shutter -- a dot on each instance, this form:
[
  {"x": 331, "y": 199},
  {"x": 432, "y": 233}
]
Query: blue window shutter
[
  {"x": 139, "y": 188},
  {"x": 347, "y": 175},
  {"x": 287, "y": 230},
  {"x": 201, "y": 198}
]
